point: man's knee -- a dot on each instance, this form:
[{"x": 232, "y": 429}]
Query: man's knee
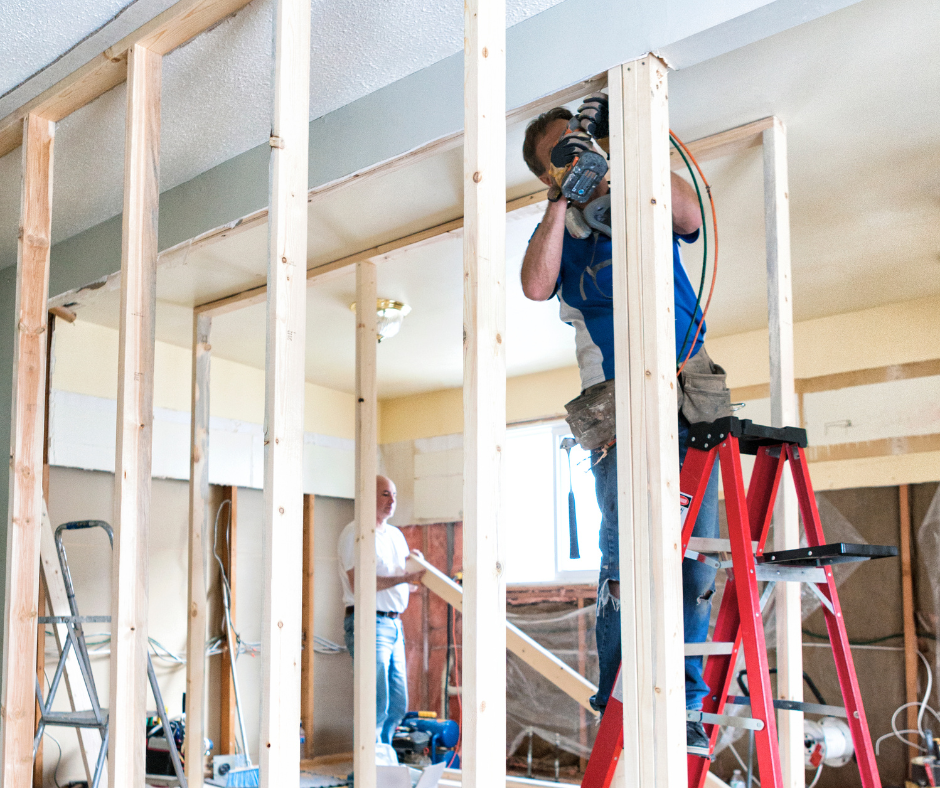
[{"x": 614, "y": 588}]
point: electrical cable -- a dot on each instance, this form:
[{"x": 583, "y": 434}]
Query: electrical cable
[
  {"x": 701, "y": 287},
  {"x": 682, "y": 151},
  {"x": 924, "y": 707},
  {"x": 58, "y": 761},
  {"x": 816, "y": 778}
]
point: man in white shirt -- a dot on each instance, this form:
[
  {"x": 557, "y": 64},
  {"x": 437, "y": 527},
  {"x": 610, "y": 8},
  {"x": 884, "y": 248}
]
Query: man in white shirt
[{"x": 393, "y": 585}]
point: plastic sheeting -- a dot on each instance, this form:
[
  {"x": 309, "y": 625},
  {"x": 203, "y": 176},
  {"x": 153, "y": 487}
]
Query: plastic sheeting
[
  {"x": 534, "y": 703},
  {"x": 928, "y": 554}
]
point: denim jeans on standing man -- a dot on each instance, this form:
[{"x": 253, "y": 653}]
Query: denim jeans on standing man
[
  {"x": 391, "y": 678},
  {"x": 698, "y": 580}
]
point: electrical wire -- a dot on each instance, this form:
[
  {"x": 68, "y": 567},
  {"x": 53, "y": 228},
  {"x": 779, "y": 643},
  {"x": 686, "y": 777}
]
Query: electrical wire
[
  {"x": 816, "y": 778},
  {"x": 924, "y": 707},
  {"x": 683, "y": 150},
  {"x": 58, "y": 761}
]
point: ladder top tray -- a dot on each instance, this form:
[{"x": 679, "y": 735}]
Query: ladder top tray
[
  {"x": 837, "y": 553},
  {"x": 706, "y": 435}
]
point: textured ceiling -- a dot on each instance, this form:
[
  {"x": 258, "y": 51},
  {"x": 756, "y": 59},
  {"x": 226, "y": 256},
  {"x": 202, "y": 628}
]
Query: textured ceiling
[
  {"x": 36, "y": 33},
  {"x": 217, "y": 95}
]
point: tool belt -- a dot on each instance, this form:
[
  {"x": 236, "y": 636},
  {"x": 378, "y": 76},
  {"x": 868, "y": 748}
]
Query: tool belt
[{"x": 702, "y": 396}]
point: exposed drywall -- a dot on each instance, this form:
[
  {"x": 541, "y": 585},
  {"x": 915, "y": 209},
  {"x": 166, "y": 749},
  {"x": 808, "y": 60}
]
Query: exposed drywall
[{"x": 87, "y": 495}]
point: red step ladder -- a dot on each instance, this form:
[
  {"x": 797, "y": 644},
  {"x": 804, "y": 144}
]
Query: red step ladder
[{"x": 739, "y": 617}]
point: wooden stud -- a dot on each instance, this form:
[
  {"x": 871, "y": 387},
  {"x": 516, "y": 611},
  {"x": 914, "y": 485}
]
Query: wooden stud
[
  {"x": 783, "y": 412},
  {"x": 196, "y": 621},
  {"x": 308, "y": 630},
  {"x": 364, "y": 587},
  {"x": 648, "y": 468},
  {"x": 907, "y": 601},
  {"x": 26, "y": 455},
  {"x": 484, "y": 392},
  {"x": 130, "y": 567},
  {"x": 228, "y": 722},
  {"x": 284, "y": 400}
]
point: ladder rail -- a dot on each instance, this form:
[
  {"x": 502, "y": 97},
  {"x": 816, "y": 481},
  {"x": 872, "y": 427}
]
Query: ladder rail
[
  {"x": 719, "y": 669},
  {"x": 752, "y": 623},
  {"x": 835, "y": 626}
]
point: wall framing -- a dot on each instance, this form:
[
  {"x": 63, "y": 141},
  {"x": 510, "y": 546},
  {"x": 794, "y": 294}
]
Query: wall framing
[
  {"x": 130, "y": 567},
  {"x": 26, "y": 454},
  {"x": 138, "y": 57}
]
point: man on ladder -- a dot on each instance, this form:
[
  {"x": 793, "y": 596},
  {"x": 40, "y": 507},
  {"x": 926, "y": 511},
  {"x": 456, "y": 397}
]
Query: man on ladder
[{"x": 569, "y": 256}]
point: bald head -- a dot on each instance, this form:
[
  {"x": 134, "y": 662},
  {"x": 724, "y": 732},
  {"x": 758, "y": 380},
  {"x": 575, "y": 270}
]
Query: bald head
[{"x": 385, "y": 497}]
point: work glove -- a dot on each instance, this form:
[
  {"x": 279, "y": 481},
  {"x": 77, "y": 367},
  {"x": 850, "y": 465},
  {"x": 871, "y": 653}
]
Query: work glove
[
  {"x": 570, "y": 147},
  {"x": 593, "y": 116}
]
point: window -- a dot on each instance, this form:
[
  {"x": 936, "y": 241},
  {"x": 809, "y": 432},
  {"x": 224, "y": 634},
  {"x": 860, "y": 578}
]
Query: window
[{"x": 537, "y": 484}]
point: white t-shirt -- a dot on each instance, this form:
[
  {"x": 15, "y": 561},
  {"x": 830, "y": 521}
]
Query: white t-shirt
[{"x": 391, "y": 552}]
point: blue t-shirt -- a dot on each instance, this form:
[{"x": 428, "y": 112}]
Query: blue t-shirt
[{"x": 585, "y": 290}]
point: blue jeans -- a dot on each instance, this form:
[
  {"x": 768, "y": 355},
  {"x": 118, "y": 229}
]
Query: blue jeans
[
  {"x": 698, "y": 580},
  {"x": 391, "y": 678}
]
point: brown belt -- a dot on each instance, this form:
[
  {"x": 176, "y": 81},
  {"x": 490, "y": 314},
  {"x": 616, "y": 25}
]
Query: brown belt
[{"x": 380, "y": 613}]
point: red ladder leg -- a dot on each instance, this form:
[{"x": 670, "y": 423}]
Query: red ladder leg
[
  {"x": 752, "y": 624},
  {"x": 719, "y": 668},
  {"x": 608, "y": 744},
  {"x": 693, "y": 481},
  {"x": 835, "y": 624}
]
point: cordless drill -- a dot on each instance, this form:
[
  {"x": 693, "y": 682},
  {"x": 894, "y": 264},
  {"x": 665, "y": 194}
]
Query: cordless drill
[{"x": 576, "y": 168}]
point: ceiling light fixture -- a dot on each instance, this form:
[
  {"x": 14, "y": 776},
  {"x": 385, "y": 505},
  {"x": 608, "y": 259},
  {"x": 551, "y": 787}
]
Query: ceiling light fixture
[{"x": 390, "y": 315}]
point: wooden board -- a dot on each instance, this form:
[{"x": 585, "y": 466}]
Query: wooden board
[
  {"x": 130, "y": 568},
  {"x": 286, "y": 330},
  {"x": 725, "y": 143},
  {"x": 648, "y": 470},
  {"x": 783, "y": 412},
  {"x": 307, "y": 627},
  {"x": 484, "y": 392},
  {"x": 256, "y": 295},
  {"x": 162, "y": 34},
  {"x": 199, "y": 541},
  {"x": 520, "y": 644},
  {"x": 26, "y": 454},
  {"x": 907, "y": 603},
  {"x": 364, "y": 584}
]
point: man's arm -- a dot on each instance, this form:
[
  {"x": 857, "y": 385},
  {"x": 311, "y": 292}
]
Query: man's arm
[
  {"x": 384, "y": 583},
  {"x": 542, "y": 260},
  {"x": 686, "y": 214}
]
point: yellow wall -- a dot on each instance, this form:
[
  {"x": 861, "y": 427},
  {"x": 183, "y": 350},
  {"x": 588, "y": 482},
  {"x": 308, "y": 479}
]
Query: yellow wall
[
  {"x": 537, "y": 396},
  {"x": 891, "y": 334},
  {"x": 86, "y": 363}
]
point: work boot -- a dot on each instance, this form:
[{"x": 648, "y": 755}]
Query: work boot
[{"x": 696, "y": 741}]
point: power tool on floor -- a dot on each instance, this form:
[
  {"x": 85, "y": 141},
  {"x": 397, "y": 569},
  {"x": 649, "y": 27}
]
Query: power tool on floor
[{"x": 421, "y": 740}]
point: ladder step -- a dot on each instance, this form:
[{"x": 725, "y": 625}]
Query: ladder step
[
  {"x": 707, "y": 649},
  {"x": 751, "y": 436},
  {"x": 75, "y": 619},
  {"x": 725, "y": 720},
  {"x": 774, "y": 573},
  {"x": 702, "y": 545},
  {"x": 75, "y": 719},
  {"x": 795, "y": 705},
  {"x": 823, "y": 555}
]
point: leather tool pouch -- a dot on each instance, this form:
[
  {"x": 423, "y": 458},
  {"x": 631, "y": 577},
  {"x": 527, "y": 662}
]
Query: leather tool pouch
[
  {"x": 592, "y": 416},
  {"x": 703, "y": 394}
]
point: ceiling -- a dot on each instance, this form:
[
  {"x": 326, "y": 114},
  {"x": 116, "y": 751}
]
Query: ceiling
[
  {"x": 217, "y": 89},
  {"x": 857, "y": 90}
]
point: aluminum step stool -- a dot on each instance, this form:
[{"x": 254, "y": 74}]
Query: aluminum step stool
[
  {"x": 740, "y": 621},
  {"x": 96, "y": 717}
]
